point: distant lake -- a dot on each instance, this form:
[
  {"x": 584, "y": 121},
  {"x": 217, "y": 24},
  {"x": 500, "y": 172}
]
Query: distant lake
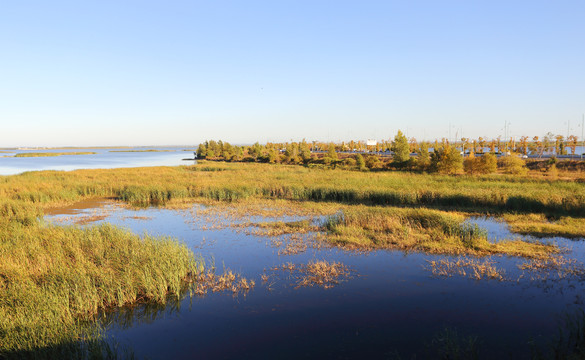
[{"x": 103, "y": 159}]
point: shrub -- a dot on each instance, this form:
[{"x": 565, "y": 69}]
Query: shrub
[
  {"x": 423, "y": 161},
  {"x": 446, "y": 160},
  {"x": 360, "y": 162},
  {"x": 485, "y": 164},
  {"x": 373, "y": 162},
  {"x": 512, "y": 165}
]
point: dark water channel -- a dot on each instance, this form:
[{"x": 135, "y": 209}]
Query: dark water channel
[{"x": 390, "y": 307}]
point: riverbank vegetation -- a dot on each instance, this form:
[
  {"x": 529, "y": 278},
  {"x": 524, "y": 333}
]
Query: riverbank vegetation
[
  {"x": 404, "y": 154},
  {"x": 422, "y": 230},
  {"x": 232, "y": 182},
  {"x": 541, "y": 226},
  {"x": 54, "y": 280}
]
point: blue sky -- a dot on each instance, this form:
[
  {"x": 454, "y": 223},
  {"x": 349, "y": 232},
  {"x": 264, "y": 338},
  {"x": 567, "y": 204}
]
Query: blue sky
[{"x": 178, "y": 72}]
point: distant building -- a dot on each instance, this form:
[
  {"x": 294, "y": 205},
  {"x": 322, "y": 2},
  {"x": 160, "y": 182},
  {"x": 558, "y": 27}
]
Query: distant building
[{"x": 371, "y": 142}]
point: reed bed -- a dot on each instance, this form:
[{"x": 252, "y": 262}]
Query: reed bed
[
  {"x": 237, "y": 182},
  {"x": 423, "y": 230},
  {"x": 53, "y": 280},
  {"x": 543, "y": 226}
]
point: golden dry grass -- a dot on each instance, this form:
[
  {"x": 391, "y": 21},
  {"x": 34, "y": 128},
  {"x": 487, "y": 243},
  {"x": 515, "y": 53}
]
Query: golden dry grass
[
  {"x": 473, "y": 268},
  {"x": 323, "y": 273},
  {"x": 542, "y": 226}
]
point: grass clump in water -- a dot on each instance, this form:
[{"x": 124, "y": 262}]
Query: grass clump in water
[
  {"x": 473, "y": 268},
  {"x": 316, "y": 272},
  {"x": 275, "y": 228},
  {"x": 228, "y": 281},
  {"x": 53, "y": 281},
  {"x": 541, "y": 226},
  {"x": 424, "y": 230}
]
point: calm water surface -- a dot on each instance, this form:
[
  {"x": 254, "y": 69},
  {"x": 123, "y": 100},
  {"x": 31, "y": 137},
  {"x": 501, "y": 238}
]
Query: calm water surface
[
  {"x": 390, "y": 307},
  {"x": 103, "y": 159}
]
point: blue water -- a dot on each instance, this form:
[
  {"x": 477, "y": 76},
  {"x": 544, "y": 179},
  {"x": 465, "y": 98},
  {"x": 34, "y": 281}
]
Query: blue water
[
  {"x": 390, "y": 306},
  {"x": 103, "y": 159}
]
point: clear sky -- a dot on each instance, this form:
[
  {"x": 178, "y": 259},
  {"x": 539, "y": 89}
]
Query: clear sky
[{"x": 179, "y": 72}]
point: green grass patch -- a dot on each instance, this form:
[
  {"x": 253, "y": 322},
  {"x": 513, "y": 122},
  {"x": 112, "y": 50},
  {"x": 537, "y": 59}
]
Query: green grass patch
[
  {"x": 541, "y": 226},
  {"x": 423, "y": 230},
  {"x": 235, "y": 182}
]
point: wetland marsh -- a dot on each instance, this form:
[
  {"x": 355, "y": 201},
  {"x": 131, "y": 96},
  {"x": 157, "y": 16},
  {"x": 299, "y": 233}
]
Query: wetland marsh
[{"x": 312, "y": 262}]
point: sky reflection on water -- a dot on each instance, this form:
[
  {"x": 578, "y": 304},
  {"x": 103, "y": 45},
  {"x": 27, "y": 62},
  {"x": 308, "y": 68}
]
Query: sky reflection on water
[
  {"x": 390, "y": 305},
  {"x": 103, "y": 159}
]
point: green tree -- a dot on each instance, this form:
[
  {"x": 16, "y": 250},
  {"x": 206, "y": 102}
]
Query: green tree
[
  {"x": 272, "y": 156},
  {"x": 255, "y": 150},
  {"x": 401, "y": 149},
  {"x": 470, "y": 164},
  {"x": 305, "y": 152},
  {"x": 228, "y": 151},
  {"x": 360, "y": 162},
  {"x": 423, "y": 161},
  {"x": 486, "y": 164},
  {"x": 292, "y": 153},
  {"x": 512, "y": 165},
  {"x": 331, "y": 153},
  {"x": 212, "y": 149},
  {"x": 202, "y": 150},
  {"x": 446, "y": 160},
  {"x": 373, "y": 162}
]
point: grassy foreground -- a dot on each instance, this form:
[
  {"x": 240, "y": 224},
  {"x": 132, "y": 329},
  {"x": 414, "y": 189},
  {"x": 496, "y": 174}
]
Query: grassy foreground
[
  {"x": 54, "y": 279},
  {"x": 241, "y": 181}
]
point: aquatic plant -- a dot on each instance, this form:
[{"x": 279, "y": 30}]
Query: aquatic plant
[
  {"x": 321, "y": 273},
  {"x": 473, "y": 268},
  {"x": 543, "y": 226},
  {"x": 424, "y": 230},
  {"x": 53, "y": 280}
]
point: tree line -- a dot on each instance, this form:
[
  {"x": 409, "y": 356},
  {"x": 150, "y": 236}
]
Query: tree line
[{"x": 400, "y": 153}]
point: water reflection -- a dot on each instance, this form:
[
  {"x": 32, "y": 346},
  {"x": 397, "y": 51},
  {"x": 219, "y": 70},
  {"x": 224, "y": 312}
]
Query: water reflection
[
  {"x": 392, "y": 306},
  {"x": 126, "y": 317},
  {"x": 102, "y": 159}
]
